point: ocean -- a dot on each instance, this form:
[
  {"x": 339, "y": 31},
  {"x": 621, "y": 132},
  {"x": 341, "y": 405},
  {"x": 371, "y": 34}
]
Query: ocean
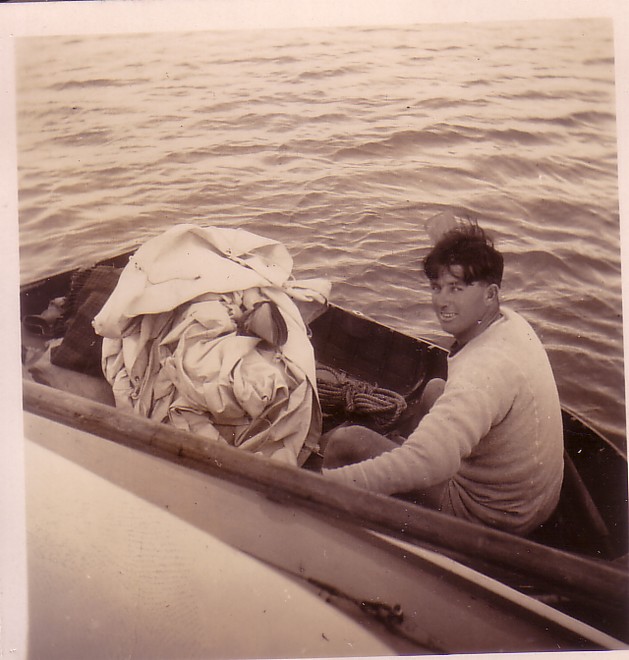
[{"x": 342, "y": 142}]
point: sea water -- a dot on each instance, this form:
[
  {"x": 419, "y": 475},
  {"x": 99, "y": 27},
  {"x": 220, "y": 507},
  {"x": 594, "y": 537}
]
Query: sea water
[{"x": 342, "y": 143}]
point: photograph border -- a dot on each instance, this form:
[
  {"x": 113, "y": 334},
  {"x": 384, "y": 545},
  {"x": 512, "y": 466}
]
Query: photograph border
[{"x": 23, "y": 19}]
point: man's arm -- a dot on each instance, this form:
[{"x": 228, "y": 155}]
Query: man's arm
[{"x": 476, "y": 397}]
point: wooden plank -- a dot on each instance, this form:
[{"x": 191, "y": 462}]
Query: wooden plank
[{"x": 585, "y": 578}]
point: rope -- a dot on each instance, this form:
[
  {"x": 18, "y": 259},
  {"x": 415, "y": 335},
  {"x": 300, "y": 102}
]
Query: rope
[{"x": 339, "y": 393}]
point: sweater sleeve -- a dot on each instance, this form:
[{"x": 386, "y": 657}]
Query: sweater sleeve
[{"x": 478, "y": 395}]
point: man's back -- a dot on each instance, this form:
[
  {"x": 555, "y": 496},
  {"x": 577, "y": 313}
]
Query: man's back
[{"x": 512, "y": 477}]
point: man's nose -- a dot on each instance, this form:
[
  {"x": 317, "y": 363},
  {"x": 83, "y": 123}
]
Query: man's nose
[{"x": 440, "y": 297}]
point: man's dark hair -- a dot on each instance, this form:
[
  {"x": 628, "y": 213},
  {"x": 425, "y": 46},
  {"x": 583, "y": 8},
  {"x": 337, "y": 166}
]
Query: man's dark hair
[{"x": 469, "y": 247}]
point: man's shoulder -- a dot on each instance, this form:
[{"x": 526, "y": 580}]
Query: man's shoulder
[
  {"x": 517, "y": 325},
  {"x": 501, "y": 342},
  {"x": 511, "y": 315}
]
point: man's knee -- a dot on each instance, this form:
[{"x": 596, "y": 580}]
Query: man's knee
[
  {"x": 433, "y": 390},
  {"x": 351, "y": 444},
  {"x": 341, "y": 446}
]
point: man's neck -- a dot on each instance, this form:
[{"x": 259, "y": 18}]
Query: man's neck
[{"x": 493, "y": 314}]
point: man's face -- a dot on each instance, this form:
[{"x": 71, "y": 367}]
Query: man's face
[{"x": 460, "y": 307}]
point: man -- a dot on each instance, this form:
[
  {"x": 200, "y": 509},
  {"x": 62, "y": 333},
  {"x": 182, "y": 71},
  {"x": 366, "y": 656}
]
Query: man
[{"x": 490, "y": 448}]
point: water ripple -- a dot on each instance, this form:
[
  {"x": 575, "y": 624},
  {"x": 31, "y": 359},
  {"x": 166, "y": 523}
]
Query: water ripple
[{"x": 341, "y": 143}]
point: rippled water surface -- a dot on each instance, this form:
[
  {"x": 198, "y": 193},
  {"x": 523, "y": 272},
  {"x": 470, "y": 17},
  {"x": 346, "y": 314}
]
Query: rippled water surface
[{"x": 341, "y": 143}]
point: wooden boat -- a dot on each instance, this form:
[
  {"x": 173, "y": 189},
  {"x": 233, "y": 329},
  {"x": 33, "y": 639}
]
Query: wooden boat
[{"x": 422, "y": 581}]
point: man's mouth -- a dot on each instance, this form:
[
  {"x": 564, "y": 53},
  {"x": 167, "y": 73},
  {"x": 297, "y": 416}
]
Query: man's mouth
[{"x": 447, "y": 316}]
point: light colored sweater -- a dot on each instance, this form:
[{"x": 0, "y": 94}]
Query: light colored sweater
[{"x": 495, "y": 435}]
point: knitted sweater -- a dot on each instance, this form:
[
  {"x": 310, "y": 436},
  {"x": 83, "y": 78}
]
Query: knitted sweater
[{"x": 495, "y": 435}]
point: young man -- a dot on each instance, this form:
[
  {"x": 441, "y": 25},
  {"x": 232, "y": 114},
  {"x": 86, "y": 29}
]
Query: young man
[{"x": 490, "y": 448}]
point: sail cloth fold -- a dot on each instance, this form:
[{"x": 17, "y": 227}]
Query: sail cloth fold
[{"x": 205, "y": 330}]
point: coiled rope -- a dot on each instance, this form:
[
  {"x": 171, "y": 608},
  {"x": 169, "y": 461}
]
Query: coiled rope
[{"x": 339, "y": 393}]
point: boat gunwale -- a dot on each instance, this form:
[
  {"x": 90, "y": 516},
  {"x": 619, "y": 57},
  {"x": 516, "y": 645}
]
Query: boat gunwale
[{"x": 599, "y": 580}]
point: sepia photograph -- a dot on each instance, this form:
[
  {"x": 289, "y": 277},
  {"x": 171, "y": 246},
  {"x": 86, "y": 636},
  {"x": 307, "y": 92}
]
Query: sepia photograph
[{"x": 317, "y": 327}]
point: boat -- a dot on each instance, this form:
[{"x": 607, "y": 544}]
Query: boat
[{"x": 417, "y": 581}]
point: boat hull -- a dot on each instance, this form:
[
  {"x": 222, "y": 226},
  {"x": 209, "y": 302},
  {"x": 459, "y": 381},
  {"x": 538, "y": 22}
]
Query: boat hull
[{"x": 129, "y": 553}]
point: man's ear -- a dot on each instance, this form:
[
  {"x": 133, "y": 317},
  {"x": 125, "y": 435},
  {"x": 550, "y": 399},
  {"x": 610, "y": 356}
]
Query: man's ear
[{"x": 492, "y": 292}]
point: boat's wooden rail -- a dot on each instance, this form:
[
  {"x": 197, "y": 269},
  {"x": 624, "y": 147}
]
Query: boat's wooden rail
[{"x": 599, "y": 584}]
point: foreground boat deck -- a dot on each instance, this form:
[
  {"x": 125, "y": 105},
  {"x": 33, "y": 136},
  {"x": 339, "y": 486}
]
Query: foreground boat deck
[{"x": 149, "y": 559}]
